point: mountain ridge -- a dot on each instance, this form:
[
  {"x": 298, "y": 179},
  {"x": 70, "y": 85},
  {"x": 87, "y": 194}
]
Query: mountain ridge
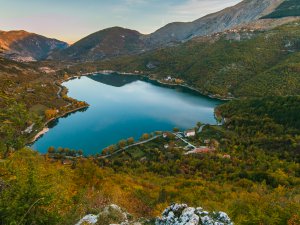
[
  {"x": 96, "y": 47},
  {"x": 102, "y": 44},
  {"x": 21, "y": 45},
  {"x": 243, "y": 12},
  {"x": 117, "y": 41}
]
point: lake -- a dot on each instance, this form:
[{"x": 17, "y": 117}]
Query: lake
[{"x": 123, "y": 106}]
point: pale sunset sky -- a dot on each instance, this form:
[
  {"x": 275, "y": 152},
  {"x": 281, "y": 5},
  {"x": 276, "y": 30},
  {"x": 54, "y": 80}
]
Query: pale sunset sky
[{"x": 71, "y": 20}]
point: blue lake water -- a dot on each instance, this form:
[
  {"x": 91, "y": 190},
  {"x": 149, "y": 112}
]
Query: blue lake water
[{"x": 122, "y": 107}]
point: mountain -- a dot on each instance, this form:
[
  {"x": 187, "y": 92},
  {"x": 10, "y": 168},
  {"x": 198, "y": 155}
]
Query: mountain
[
  {"x": 287, "y": 8},
  {"x": 117, "y": 41},
  {"x": 244, "y": 12},
  {"x": 103, "y": 44},
  {"x": 25, "y": 46},
  {"x": 238, "y": 62}
]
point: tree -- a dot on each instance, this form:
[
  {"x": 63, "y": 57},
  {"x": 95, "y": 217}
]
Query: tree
[
  {"x": 122, "y": 143},
  {"x": 176, "y": 129},
  {"x": 26, "y": 201},
  {"x": 51, "y": 150},
  {"x": 130, "y": 141},
  {"x": 80, "y": 152},
  {"x": 214, "y": 144},
  {"x": 145, "y": 137},
  {"x": 14, "y": 120},
  {"x": 51, "y": 113}
]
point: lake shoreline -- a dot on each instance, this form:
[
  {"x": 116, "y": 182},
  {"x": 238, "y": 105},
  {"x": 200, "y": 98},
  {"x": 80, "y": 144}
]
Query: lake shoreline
[
  {"x": 143, "y": 77},
  {"x": 107, "y": 72},
  {"x": 45, "y": 127}
]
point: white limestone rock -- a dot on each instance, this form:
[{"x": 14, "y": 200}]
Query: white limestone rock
[{"x": 181, "y": 214}]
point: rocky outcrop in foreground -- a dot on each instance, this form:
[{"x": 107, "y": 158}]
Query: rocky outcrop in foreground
[
  {"x": 181, "y": 214},
  {"x": 176, "y": 214}
]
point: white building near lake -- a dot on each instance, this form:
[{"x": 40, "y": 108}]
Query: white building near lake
[{"x": 190, "y": 133}]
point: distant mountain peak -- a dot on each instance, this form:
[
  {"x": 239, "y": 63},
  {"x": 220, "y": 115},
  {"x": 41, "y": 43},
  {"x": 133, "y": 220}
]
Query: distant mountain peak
[
  {"x": 21, "y": 45},
  {"x": 118, "y": 41},
  {"x": 244, "y": 12},
  {"x": 107, "y": 43}
]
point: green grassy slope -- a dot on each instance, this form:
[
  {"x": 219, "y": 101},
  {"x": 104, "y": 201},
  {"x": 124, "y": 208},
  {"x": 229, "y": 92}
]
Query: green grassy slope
[{"x": 287, "y": 8}]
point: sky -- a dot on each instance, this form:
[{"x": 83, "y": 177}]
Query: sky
[{"x": 71, "y": 20}]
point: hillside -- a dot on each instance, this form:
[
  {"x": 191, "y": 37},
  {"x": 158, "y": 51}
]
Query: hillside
[
  {"x": 25, "y": 46},
  {"x": 254, "y": 166},
  {"x": 116, "y": 41},
  {"x": 239, "y": 62},
  {"x": 244, "y": 12},
  {"x": 243, "y": 171},
  {"x": 287, "y": 8},
  {"x": 28, "y": 94},
  {"x": 106, "y": 43}
]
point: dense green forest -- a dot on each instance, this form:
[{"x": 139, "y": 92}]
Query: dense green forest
[
  {"x": 239, "y": 63},
  {"x": 287, "y": 8}
]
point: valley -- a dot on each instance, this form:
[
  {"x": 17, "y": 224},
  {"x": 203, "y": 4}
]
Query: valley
[{"x": 129, "y": 128}]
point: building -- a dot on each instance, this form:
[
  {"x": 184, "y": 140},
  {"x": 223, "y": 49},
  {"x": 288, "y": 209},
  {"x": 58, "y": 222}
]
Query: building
[
  {"x": 169, "y": 78},
  {"x": 226, "y": 156},
  {"x": 201, "y": 150},
  {"x": 190, "y": 133}
]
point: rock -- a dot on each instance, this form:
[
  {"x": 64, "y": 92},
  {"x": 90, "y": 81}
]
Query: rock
[
  {"x": 90, "y": 219},
  {"x": 152, "y": 65},
  {"x": 111, "y": 214},
  {"x": 176, "y": 214},
  {"x": 181, "y": 214}
]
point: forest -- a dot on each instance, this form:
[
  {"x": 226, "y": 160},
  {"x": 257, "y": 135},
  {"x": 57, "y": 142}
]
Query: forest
[{"x": 254, "y": 174}]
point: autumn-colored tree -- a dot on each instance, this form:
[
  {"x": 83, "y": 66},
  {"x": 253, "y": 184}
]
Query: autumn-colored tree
[
  {"x": 214, "y": 144},
  {"x": 66, "y": 77},
  {"x": 295, "y": 220},
  {"x": 130, "y": 141},
  {"x": 51, "y": 113},
  {"x": 51, "y": 150},
  {"x": 145, "y": 137},
  {"x": 122, "y": 143}
]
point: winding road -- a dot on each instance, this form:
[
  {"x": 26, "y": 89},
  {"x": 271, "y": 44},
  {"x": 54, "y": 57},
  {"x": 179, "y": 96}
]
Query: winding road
[{"x": 129, "y": 146}]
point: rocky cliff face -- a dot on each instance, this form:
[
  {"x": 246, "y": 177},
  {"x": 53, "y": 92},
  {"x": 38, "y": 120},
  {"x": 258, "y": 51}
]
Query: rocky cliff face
[
  {"x": 25, "y": 46},
  {"x": 244, "y": 12}
]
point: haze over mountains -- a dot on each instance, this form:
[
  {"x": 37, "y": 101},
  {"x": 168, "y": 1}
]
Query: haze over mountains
[{"x": 117, "y": 41}]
